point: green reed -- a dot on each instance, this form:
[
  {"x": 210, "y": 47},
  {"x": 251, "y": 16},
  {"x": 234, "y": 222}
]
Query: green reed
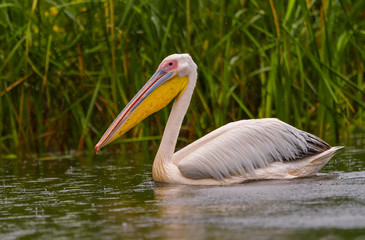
[{"x": 68, "y": 67}]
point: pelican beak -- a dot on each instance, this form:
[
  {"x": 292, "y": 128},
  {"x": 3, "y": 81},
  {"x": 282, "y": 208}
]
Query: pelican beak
[{"x": 162, "y": 87}]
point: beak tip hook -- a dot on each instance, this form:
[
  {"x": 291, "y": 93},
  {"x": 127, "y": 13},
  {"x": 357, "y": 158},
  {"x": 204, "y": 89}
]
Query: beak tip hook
[{"x": 96, "y": 149}]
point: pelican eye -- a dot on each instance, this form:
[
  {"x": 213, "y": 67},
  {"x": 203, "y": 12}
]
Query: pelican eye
[{"x": 171, "y": 63}]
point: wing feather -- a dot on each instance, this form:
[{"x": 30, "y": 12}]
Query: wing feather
[{"x": 241, "y": 147}]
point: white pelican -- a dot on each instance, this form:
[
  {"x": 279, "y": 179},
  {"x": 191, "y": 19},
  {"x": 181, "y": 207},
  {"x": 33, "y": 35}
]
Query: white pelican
[{"x": 234, "y": 153}]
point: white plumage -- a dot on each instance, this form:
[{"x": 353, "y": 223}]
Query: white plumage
[{"x": 241, "y": 147}]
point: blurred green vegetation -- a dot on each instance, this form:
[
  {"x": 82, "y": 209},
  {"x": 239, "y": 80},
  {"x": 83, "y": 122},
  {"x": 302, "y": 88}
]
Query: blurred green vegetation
[{"x": 68, "y": 67}]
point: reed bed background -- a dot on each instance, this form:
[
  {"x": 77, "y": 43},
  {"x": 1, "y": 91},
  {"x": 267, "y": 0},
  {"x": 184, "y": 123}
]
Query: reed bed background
[{"x": 68, "y": 67}]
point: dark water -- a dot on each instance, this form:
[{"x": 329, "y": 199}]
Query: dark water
[{"x": 114, "y": 197}]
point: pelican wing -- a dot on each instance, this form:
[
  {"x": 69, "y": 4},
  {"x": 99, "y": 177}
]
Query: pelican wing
[{"x": 241, "y": 147}]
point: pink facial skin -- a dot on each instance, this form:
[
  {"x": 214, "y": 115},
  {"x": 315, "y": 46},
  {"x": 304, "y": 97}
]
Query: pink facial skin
[{"x": 168, "y": 65}]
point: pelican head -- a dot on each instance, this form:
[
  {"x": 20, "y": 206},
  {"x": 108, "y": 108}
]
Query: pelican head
[{"x": 170, "y": 79}]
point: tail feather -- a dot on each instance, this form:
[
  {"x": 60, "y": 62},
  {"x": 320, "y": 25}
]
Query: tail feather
[{"x": 315, "y": 163}]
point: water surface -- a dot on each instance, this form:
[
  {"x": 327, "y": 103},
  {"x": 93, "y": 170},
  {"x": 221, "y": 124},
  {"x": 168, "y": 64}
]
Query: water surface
[{"x": 114, "y": 197}]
